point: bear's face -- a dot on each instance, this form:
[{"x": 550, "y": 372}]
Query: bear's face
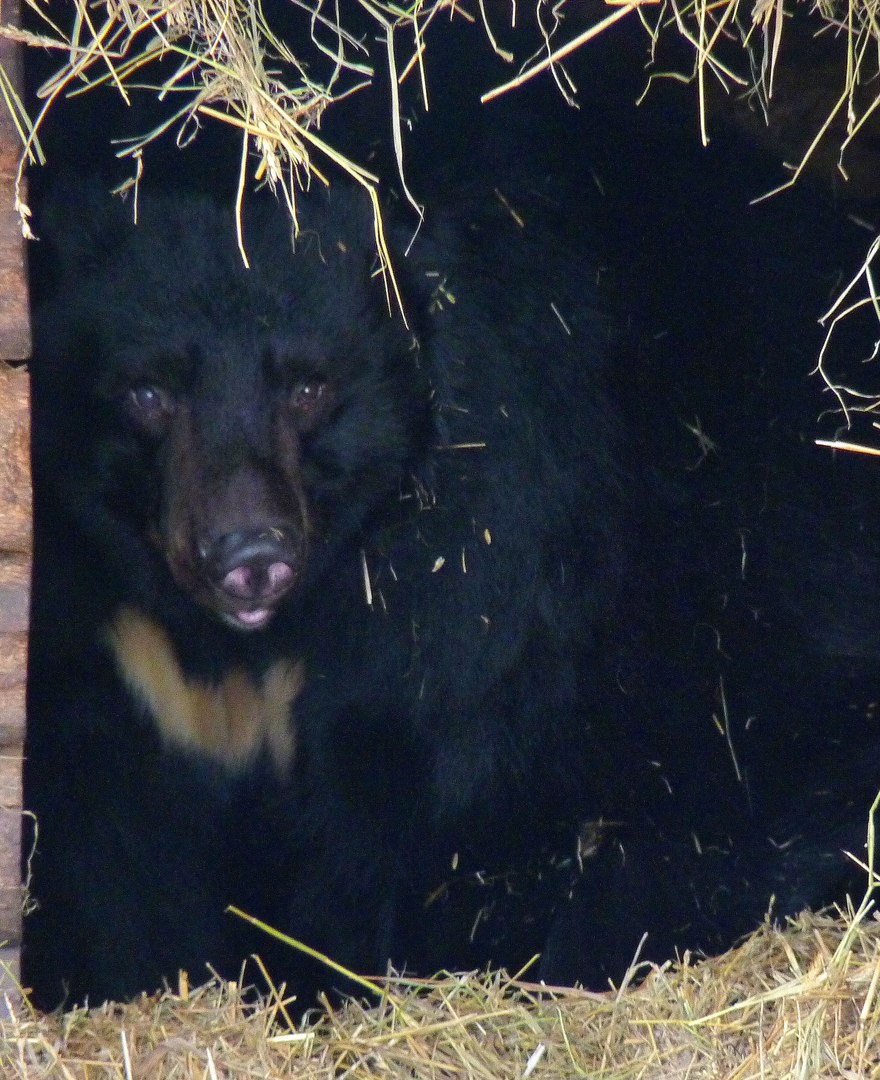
[
  {"x": 232, "y": 446},
  {"x": 238, "y": 427}
]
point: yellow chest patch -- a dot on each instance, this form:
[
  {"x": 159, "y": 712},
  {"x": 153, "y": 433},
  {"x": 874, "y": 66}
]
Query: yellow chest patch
[{"x": 230, "y": 721}]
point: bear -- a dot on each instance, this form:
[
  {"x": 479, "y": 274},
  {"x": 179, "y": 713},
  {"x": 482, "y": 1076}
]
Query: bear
[{"x": 355, "y": 610}]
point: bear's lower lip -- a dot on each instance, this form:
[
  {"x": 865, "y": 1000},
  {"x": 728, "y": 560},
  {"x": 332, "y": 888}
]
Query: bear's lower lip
[{"x": 250, "y": 620}]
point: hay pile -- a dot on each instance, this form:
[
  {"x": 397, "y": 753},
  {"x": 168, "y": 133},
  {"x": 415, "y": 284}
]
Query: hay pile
[
  {"x": 221, "y": 59},
  {"x": 802, "y": 1002}
]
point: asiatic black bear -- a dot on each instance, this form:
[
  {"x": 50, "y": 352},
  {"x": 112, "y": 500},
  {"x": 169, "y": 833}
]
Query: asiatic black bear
[{"x": 368, "y": 627}]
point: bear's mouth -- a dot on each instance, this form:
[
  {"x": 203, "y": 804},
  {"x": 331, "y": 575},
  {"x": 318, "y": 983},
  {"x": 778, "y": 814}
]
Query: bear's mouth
[
  {"x": 248, "y": 619},
  {"x": 254, "y": 610},
  {"x": 242, "y": 578},
  {"x": 248, "y": 593}
]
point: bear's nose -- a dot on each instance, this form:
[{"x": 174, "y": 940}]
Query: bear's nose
[{"x": 256, "y": 566}]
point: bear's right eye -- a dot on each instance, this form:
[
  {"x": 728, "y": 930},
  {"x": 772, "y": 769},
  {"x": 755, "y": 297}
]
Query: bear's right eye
[
  {"x": 149, "y": 405},
  {"x": 311, "y": 401}
]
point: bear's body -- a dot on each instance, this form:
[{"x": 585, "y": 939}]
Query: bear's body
[{"x": 350, "y": 623}]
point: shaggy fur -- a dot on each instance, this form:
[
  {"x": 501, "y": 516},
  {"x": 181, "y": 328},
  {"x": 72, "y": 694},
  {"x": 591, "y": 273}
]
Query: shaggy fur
[{"x": 372, "y": 628}]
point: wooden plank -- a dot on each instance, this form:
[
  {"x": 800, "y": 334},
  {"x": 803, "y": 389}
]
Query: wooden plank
[
  {"x": 15, "y": 517},
  {"x": 15, "y": 460},
  {"x": 10, "y": 993},
  {"x": 15, "y": 579},
  {"x": 10, "y": 788},
  {"x": 13, "y": 672},
  {"x": 10, "y": 847},
  {"x": 15, "y": 336}
]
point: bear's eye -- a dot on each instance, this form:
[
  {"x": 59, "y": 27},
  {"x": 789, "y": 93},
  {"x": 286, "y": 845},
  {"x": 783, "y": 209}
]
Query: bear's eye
[
  {"x": 149, "y": 405},
  {"x": 311, "y": 401}
]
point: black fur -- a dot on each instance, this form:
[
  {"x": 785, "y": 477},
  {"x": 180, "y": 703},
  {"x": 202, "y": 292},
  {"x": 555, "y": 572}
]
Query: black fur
[{"x": 504, "y": 743}]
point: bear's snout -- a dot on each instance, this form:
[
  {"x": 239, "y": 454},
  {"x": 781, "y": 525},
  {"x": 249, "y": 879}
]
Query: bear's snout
[{"x": 256, "y": 566}]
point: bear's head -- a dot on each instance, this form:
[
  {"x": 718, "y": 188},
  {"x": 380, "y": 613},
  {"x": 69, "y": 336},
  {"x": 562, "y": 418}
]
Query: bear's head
[{"x": 234, "y": 424}]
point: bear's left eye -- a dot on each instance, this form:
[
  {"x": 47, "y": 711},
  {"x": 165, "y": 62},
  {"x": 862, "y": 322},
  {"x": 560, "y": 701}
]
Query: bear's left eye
[
  {"x": 311, "y": 401},
  {"x": 149, "y": 405}
]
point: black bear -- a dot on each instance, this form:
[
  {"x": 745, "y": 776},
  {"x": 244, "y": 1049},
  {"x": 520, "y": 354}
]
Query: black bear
[{"x": 353, "y": 610}]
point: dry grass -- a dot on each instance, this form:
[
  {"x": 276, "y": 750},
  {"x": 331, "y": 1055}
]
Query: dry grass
[
  {"x": 221, "y": 59},
  {"x": 802, "y": 1002},
  {"x": 798, "y": 1002}
]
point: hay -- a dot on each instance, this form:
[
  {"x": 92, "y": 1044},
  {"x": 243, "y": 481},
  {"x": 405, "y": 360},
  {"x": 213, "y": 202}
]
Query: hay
[
  {"x": 221, "y": 59},
  {"x": 799, "y": 1002}
]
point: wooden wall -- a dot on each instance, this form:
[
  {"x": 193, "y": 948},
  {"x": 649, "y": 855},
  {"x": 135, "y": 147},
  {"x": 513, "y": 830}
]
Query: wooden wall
[{"x": 15, "y": 516}]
